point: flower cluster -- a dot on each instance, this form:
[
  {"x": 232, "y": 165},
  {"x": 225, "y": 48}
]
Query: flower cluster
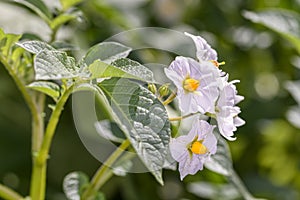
[{"x": 202, "y": 88}]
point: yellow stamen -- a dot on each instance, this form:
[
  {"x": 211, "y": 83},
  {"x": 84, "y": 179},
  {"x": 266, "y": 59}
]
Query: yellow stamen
[
  {"x": 190, "y": 84},
  {"x": 198, "y": 148},
  {"x": 216, "y": 63}
]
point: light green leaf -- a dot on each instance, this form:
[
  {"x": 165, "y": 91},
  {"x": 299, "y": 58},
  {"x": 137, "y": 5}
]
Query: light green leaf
[
  {"x": 134, "y": 68},
  {"x": 106, "y": 52},
  {"x": 100, "y": 69},
  {"x": 143, "y": 119},
  {"x": 62, "y": 19},
  {"x": 66, "y": 4},
  {"x": 49, "y": 88},
  {"x": 7, "y": 41},
  {"x": 73, "y": 184},
  {"x": 53, "y": 65},
  {"x": 39, "y": 7},
  {"x": 35, "y": 46},
  {"x": 221, "y": 162},
  {"x": 285, "y": 22}
]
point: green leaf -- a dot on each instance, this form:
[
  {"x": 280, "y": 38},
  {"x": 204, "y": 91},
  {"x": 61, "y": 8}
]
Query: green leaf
[
  {"x": 49, "y": 88},
  {"x": 62, "y": 19},
  {"x": 53, "y": 65},
  {"x": 101, "y": 69},
  {"x": 143, "y": 119},
  {"x": 35, "y": 46},
  {"x": 110, "y": 131},
  {"x": 221, "y": 162},
  {"x": 39, "y": 7},
  {"x": 284, "y": 22},
  {"x": 6, "y": 42},
  {"x": 66, "y": 4},
  {"x": 134, "y": 68},
  {"x": 63, "y": 46},
  {"x": 106, "y": 52},
  {"x": 73, "y": 185}
]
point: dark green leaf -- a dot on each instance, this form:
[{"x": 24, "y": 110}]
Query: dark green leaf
[
  {"x": 35, "y": 46},
  {"x": 49, "y": 88},
  {"x": 221, "y": 162},
  {"x": 73, "y": 185},
  {"x": 39, "y": 7},
  {"x": 51, "y": 65},
  {"x": 134, "y": 68},
  {"x": 284, "y": 22},
  {"x": 143, "y": 119},
  {"x": 106, "y": 52}
]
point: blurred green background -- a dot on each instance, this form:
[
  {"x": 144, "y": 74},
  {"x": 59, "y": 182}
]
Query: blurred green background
[{"x": 267, "y": 152}]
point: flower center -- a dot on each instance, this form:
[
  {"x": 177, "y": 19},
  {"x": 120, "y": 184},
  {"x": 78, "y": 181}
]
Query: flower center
[
  {"x": 198, "y": 148},
  {"x": 190, "y": 84}
]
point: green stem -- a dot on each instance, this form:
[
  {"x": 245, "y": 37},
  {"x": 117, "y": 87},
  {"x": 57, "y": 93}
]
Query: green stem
[
  {"x": 8, "y": 194},
  {"x": 101, "y": 175},
  {"x": 38, "y": 181},
  {"x": 30, "y": 102}
]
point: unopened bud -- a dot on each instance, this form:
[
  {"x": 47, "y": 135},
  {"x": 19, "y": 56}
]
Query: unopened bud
[
  {"x": 152, "y": 88},
  {"x": 164, "y": 90}
]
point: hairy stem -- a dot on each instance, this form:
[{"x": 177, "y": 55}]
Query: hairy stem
[
  {"x": 102, "y": 174},
  {"x": 181, "y": 117},
  {"x": 8, "y": 194},
  {"x": 169, "y": 99},
  {"x": 38, "y": 181}
]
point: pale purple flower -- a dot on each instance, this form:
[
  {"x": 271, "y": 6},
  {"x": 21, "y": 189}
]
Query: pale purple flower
[
  {"x": 194, "y": 149},
  {"x": 197, "y": 84},
  {"x": 204, "y": 52},
  {"x": 226, "y": 109}
]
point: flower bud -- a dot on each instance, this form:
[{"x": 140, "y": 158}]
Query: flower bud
[
  {"x": 164, "y": 90},
  {"x": 152, "y": 88}
]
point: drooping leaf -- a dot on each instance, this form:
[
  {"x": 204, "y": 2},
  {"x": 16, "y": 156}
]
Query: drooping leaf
[
  {"x": 66, "y": 4},
  {"x": 143, "y": 119},
  {"x": 39, "y": 7},
  {"x": 73, "y": 184},
  {"x": 285, "y": 22},
  {"x": 53, "y": 65},
  {"x": 106, "y": 52},
  {"x": 35, "y": 46},
  {"x": 62, "y": 19},
  {"x": 221, "y": 162},
  {"x": 101, "y": 69},
  {"x": 49, "y": 88},
  {"x": 134, "y": 68},
  {"x": 109, "y": 130}
]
